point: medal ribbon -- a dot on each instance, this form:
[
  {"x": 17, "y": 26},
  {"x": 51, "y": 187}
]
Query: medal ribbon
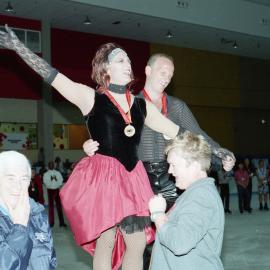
[
  {"x": 126, "y": 116},
  {"x": 164, "y": 108}
]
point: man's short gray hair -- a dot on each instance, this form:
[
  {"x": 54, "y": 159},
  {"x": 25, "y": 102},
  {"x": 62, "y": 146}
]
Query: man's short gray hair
[
  {"x": 14, "y": 158},
  {"x": 192, "y": 148},
  {"x": 153, "y": 58}
]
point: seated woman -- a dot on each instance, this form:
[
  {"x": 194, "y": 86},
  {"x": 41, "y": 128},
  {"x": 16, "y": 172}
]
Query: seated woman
[{"x": 25, "y": 241}]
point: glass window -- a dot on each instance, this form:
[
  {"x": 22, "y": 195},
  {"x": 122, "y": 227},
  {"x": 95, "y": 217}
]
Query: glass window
[
  {"x": 33, "y": 41},
  {"x": 20, "y": 34}
]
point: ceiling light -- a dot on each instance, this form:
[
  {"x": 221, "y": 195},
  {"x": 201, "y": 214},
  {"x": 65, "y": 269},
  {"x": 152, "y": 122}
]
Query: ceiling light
[
  {"x": 116, "y": 22},
  {"x": 9, "y": 8},
  {"x": 87, "y": 21},
  {"x": 235, "y": 46},
  {"x": 169, "y": 34}
]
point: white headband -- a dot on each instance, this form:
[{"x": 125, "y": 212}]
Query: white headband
[{"x": 113, "y": 53}]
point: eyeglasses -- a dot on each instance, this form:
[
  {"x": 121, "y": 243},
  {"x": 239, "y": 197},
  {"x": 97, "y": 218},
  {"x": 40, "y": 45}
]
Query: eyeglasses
[{"x": 14, "y": 179}]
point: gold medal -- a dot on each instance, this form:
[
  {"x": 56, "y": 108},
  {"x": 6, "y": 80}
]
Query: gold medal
[{"x": 129, "y": 130}]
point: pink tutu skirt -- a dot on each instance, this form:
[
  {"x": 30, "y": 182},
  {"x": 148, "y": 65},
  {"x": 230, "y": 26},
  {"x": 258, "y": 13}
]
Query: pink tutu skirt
[{"x": 99, "y": 193}]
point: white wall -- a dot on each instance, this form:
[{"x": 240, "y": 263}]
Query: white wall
[{"x": 25, "y": 111}]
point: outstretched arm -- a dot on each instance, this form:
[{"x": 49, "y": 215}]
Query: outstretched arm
[
  {"x": 80, "y": 95},
  {"x": 156, "y": 121}
]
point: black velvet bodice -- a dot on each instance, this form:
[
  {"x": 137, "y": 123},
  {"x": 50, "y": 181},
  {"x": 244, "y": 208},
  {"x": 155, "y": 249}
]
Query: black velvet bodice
[{"x": 106, "y": 125}]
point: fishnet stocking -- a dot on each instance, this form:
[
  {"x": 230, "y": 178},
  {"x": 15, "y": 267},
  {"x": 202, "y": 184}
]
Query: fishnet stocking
[
  {"x": 103, "y": 251},
  {"x": 135, "y": 245},
  {"x": 133, "y": 258}
]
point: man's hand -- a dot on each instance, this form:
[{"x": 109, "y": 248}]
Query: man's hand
[
  {"x": 228, "y": 163},
  {"x": 227, "y": 158},
  {"x": 90, "y": 147},
  {"x": 20, "y": 214}
]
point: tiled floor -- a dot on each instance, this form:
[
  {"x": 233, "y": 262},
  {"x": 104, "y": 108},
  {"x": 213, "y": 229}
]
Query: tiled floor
[{"x": 246, "y": 244}]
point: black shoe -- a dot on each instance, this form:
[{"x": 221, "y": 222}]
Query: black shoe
[
  {"x": 241, "y": 211},
  {"x": 248, "y": 209},
  {"x": 51, "y": 225},
  {"x": 63, "y": 225},
  {"x": 261, "y": 207},
  {"x": 266, "y": 207},
  {"x": 228, "y": 211}
]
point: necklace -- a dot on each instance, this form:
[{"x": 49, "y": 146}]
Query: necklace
[
  {"x": 164, "y": 108},
  {"x": 129, "y": 130}
]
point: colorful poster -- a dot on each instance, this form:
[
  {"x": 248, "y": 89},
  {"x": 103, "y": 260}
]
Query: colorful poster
[
  {"x": 18, "y": 136},
  {"x": 60, "y": 136}
]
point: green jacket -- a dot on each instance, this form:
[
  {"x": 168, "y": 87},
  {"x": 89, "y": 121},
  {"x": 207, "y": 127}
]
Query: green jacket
[{"x": 192, "y": 237}]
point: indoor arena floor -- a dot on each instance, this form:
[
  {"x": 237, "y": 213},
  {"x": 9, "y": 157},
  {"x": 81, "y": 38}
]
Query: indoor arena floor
[{"x": 246, "y": 242}]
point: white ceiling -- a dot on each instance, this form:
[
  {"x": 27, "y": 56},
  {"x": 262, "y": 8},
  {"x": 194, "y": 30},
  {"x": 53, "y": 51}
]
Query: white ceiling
[{"x": 66, "y": 14}]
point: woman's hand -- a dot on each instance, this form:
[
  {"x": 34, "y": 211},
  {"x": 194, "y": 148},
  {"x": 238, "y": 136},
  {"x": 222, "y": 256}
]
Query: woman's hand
[
  {"x": 20, "y": 213},
  {"x": 8, "y": 39},
  {"x": 157, "y": 204}
]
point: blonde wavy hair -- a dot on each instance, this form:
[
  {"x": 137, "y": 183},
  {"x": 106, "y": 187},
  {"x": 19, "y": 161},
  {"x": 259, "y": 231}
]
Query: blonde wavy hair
[{"x": 192, "y": 148}]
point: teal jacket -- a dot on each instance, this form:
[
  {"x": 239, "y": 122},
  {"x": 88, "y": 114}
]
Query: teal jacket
[
  {"x": 28, "y": 247},
  {"x": 192, "y": 237}
]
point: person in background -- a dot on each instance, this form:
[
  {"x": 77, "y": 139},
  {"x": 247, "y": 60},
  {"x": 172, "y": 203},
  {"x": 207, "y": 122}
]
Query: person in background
[
  {"x": 242, "y": 179},
  {"x": 190, "y": 235},
  {"x": 53, "y": 180},
  {"x": 223, "y": 183},
  {"x": 35, "y": 189},
  {"x": 25, "y": 241},
  {"x": 262, "y": 176},
  {"x": 268, "y": 178},
  {"x": 251, "y": 172}
]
